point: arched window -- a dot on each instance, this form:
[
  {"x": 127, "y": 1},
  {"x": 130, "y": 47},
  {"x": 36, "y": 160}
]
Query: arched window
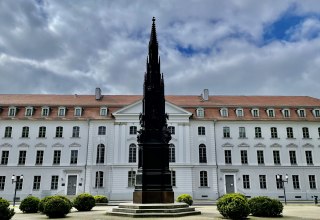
[
  {"x": 203, "y": 178},
  {"x": 132, "y": 153},
  {"x": 99, "y": 179},
  {"x": 202, "y": 153},
  {"x": 172, "y": 153},
  {"x": 100, "y": 153},
  {"x": 75, "y": 131}
]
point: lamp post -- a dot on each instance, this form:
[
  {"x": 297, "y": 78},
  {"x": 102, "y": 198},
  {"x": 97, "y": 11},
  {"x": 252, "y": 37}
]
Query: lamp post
[
  {"x": 15, "y": 180},
  {"x": 279, "y": 178}
]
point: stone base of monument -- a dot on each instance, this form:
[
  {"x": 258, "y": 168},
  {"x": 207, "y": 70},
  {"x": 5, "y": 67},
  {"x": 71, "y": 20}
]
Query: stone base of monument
[{"x": 153, "y": 210}]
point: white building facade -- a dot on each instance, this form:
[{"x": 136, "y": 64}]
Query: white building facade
[{"x": 64, "y": 144}]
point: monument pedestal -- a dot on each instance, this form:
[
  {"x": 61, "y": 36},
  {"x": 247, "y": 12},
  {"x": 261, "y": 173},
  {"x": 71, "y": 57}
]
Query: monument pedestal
[{"x": 143, "y": 197}]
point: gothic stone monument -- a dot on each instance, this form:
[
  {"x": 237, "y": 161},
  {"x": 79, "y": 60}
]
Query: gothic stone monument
[{"x": 153, "y": 179}]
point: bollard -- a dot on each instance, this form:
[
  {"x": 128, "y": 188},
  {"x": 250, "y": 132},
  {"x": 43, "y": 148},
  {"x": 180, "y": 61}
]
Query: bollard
[{"x": 315, "y": 200}]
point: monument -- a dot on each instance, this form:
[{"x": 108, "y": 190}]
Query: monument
[
  {"x": 153, "y": 195},
  {"x": 153, "y": 179}
]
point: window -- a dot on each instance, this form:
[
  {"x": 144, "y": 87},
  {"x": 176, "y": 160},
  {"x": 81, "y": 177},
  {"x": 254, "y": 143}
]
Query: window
[
  {"x": 295, "y": 182},
  {"x": 270, "y": 113},
  {"x": 239, "y": 112},
  {"x": 202, "y": 153},
  {"x": 29, "y": 111},
  {"x": 133, "y": 129},
  {"x": 289, "y": 132},
  {"x": 173, "y": 178},
  {"x": 255, "y": 112},
  {"x": 4, "y": 157},
  {"x": 226, "y": 132},
  {"x": 74, "y": 157},
  {"x": 19, "y": 183},
  {"x": 25, "y": 132},
  {"x": 276, "y": 157},
  {"x": 293, "y": 158},
  {"x": 2, "y": 182},
  {"x": 42, "y": 132},
  {"x": 36, "y": 182},
  {"x": 100, "y": 153},
  {"x": 263, "y": 181},
  {"x": 305, "y": 132},
  {"x": 312, "y": 182},
  {"x": 39, "y": 157},
  {"x": 316, "y": 113},
  {"x": 8, "y": 132},
  {"x": 59, "y": 132},
  {"x": 200, "y": 112},
  {"x": 286, "y": 113},
  {"x": 45, "y": 111},
  {"x": 22, "y": 157},
  {"x": 227, "y": 157},
  {"x": 279, "y": 182},
  {"x": 102, "y": 130},
  {"x": 319, "y": 132},
  {"x": 309, "y": 157},
  {"x": 132, "y": 153},
  {"x": 78, "y": 111},
  {"x": 54, "y": 182},
  {"x": 224, "y": 112},
  {"x": 172, "y": 153},
  {"x": 172, "y": 129},
  {"x": 103, "y": 111},
  {"x": 56, "y": 157},
  {"x": 244, "y": 157},
  {"x": 131, "y": 178},
  {"x": 61, "y": 111},
  {"x": 274, "y": 132},
  {"x": 201, "y": 131},
  {"x": 301, "y": 113},
  {"x": 246, "y": 181},
  {"x": 99, "y": 179},
  {"x": 203, "y": 179},
  {"x": 257, "y": 132},
  {"x": 260, "y": 157},
  {"x": 75, "y": 131},
  {"x": 12, "y": 111},
  {"x": 242, "y": 132}
]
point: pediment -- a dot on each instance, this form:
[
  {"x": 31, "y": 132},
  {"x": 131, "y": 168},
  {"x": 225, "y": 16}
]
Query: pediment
[
  {"x": 292, "y": 145},
  {"x": 40, "y": 145},
  {"x": 5, "y": 145},
  {"x": 75, "y": 145},
  {"x": 243, "y": 145},
  {"x": 275, "y": 145},
  {"x": 23, "y": 145},
  {"x": 57, "y": 145},
  {"x": 260, "y": 145},
  {"x": 227, "y": 145},
  {"x": 307, "y": 145}
]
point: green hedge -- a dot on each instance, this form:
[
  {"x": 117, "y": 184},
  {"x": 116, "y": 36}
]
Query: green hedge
[
  {"x": 101, "y": 199},
  {"x": 5, "y": 212},
  {"x": 84, "y": 202},
  {"x": 264, "y": 206},
  {"x": 233, "y": 206},
  {"x": 47, "y": 198},
  {"x": 186, "y": 198},
  {"x": 56, "y": 207},
  {"x": 29, "y": 204}
]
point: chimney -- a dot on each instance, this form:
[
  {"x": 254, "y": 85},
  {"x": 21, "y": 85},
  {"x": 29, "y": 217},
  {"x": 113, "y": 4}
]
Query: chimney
[
  {"x": 98, "y": 94},
  {"x": 205, "y": 95}
]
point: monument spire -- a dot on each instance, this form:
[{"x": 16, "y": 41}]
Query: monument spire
[{"x": 153, "y": 43}]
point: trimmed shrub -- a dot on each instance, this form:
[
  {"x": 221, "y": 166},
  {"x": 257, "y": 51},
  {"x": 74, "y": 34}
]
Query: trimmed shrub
[
  {"x": 56, "y": 207},
  {"x": 84, "y": 202},
  {"x": 233, "y": 206},
  {"x": 264, "y": 206},
  {"x": 5, "y": 212},
  {"x": 101, "y": 199},
  {"x": 45, "y": 199},
  {"x": 29, "y": 204},
  {"x": 186, "y": 198}
]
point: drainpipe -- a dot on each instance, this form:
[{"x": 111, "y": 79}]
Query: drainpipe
[
  {"x": 215, "y": 149},
  {"x": 86, "y": 163}
]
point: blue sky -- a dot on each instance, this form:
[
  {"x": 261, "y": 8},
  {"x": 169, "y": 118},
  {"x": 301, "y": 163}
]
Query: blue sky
[{"x": 231, "y": 47}]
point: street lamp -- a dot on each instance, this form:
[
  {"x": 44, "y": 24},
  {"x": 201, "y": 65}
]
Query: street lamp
[
  {"x": 279, "y": 178},
  {"x": 15, "y": 180}
]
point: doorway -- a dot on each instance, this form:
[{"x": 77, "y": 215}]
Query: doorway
[
  {"x": 229, "y": 180},
  {"x": 72, "y": 185}
]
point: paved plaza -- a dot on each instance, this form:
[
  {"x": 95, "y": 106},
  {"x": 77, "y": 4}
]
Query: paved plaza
[{"x": 291, "y": 211}]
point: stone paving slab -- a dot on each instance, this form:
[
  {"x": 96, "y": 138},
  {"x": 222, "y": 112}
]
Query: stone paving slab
[{"x": 291, "y": 211}]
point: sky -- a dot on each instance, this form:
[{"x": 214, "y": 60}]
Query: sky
[{"x": 230, "y": 47}]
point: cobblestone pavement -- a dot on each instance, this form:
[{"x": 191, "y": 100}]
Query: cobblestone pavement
[{"x": 291, "y": 211}]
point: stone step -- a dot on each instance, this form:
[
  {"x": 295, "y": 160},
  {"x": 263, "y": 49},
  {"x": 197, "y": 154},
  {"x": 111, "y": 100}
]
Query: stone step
[
  {"x": 151, "y": 215},
  {"x": 175, "y": 210},
  {"x": 152, "y": 206}
]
